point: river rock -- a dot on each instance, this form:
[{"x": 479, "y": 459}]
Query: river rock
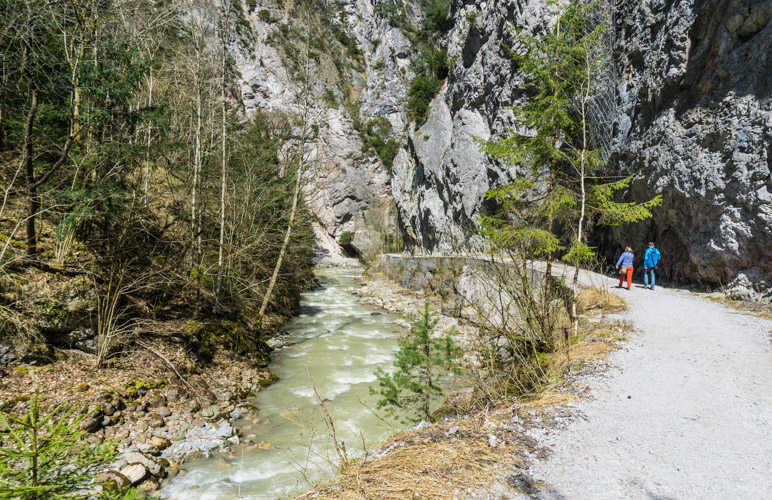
[
  {"x": 148, "y": 449},
  {"x": 92, "y": 423},
  {"x": 138, "y": 458},
  {"x": 135, "y": 473},
  {"x": 119, "y": 480},
  {"x": 163, "y": 411},
  {"x": 160, "y": 442},
  {"x": 156, "y": 401},
  {"x": 225, "y": 396},
  {"x": 224, "y": 431},
  {"x": 172, "y": 471},
  {"x": 210, "y": 411},
  {"x": 155, "y": 420},
  {"x": 192, "y": 406},
  {"x": 172, "y": 394},
  {"x": 150, "y": 485}
]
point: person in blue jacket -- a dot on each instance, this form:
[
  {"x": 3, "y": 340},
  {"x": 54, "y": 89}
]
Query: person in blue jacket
[{"x": 650, "y": 261}]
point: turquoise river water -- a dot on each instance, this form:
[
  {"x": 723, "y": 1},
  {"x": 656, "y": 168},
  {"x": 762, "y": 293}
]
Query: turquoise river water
[{"x": 343, "y": 343}]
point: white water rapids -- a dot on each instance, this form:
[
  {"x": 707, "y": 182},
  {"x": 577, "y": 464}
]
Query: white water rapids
[{"x": 343, "y": 343}]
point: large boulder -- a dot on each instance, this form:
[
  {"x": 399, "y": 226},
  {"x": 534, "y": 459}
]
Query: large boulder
[
  {"x": 693, "y": 122},
  {"x": 117, "y": 479},
  {"x": 135, "y": 473},
  {"x": 138, "y": 458}
]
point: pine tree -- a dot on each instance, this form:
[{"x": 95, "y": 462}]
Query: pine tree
[
  {"x": 45, "y": 456},
  {"x": 563, "y": 182},
  {"x": 421, "y": 361}
]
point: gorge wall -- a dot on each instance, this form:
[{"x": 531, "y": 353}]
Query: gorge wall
[{"x": 688, "y": 114}]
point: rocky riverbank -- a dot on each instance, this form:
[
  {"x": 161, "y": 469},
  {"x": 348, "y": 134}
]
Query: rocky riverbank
[
  {"x": 475, "y": 450},
  {"x": 157, "y": 418}
]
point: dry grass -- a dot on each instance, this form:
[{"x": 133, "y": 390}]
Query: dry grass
[
  {"x": 427, "y": 463},
  {"x": 432, "y": 463},
  {"x": 597, "y": 300},
  {"x": 759, "y": 309},
  {"x": 74, "y": 378},
  {"x": 594, "y": 343}
]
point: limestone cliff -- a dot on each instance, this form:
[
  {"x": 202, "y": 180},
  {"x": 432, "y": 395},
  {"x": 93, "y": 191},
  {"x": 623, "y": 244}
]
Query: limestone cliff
[
  {"x": 689, "y": 116},
  {"x": 347, "y": 180},
  {"x": 688, "y": 112}
]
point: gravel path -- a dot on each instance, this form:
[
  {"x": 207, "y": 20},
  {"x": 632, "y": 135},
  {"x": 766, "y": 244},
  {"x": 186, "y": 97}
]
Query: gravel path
[{"x": 684, "y": 413}]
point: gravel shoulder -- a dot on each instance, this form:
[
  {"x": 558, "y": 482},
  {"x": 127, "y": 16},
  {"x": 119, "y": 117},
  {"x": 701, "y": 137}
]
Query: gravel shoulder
[{"x": 685, "y": 410}]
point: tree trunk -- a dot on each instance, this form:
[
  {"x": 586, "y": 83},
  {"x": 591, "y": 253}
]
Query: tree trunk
[
  {"x": 284, "y": 245},
  {"x": 33, "y": 202},
  {"x": 583, "y": 199},
  {"x": 428, "y": 366},
  {"x": 194, "y": 201},
  {"x": 149, "y": 135},
  {"x": 221, "y": 245}
]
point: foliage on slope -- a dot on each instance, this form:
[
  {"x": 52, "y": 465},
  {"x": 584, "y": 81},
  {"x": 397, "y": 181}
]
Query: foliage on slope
[{"x": 133, "y": 190}]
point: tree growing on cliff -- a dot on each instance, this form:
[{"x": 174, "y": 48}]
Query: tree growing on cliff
[
  {"x": 423, "y": 358},
  {"x": 563, "y": 185}
]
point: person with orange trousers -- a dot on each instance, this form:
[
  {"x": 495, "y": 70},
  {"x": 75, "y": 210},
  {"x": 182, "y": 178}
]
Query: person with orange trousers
[{"x": 626, "y": 261}]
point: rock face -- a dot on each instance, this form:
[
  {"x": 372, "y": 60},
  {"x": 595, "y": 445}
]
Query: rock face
[
  {"x": 440, "y": 177},
  {"x": 345, "y": 180},
  {"x": 694, "y": 117},
  {"x": 689, "y": 115},
  {"x": 687, "y": 112}
]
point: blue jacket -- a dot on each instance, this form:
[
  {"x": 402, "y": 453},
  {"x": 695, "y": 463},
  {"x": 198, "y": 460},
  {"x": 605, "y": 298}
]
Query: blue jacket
[
  {"x": 651, "y": 257},
  {"x": 626, "y": 259}
]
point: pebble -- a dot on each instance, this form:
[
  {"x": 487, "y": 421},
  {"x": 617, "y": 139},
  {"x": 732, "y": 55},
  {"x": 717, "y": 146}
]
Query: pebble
[{"x": 210, "y": 411}]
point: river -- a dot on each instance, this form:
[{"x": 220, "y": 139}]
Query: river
[{"x": 342, "y": 342}]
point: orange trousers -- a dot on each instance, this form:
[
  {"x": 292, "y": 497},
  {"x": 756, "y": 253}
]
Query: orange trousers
[{"x": 629, "y": 276}]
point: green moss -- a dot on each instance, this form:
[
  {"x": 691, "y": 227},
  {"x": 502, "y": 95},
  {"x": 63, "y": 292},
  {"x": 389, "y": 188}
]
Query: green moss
[
  {"x": 14, "y": 243},
  {"x": 272, "y": 379}
]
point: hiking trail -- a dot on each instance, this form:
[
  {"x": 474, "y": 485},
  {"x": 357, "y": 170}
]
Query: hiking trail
[{"x": 684, "y": 411}]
